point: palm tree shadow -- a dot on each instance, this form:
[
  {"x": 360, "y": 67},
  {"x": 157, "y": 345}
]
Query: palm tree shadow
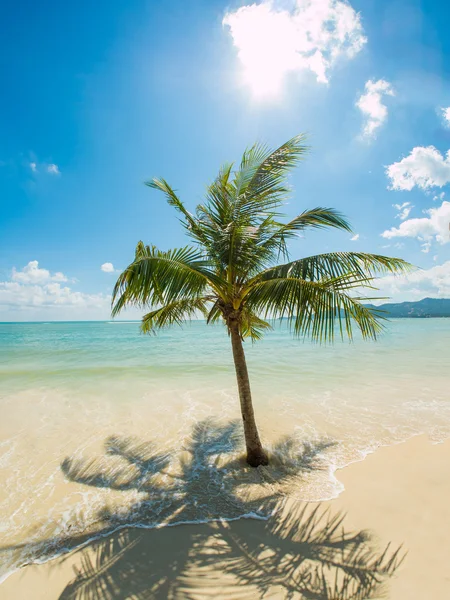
[
  {"x": 303, "y": 553},
  {"x": 300, "y": 550},
  {"x": 211, "y": 480},
  {"x": 136, "y": 464}
]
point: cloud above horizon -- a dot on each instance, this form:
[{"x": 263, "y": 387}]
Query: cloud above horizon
[
  {"x": 272, "y": 41},
  {"x": 435, "y": 227},
  {"x": 424, "y": 167},
  {"x": 32, "y": 273},
  {"x": 370, "y": 104},
  {"x": 33, "y": 287},
  {"x": 423, "y": 283}
]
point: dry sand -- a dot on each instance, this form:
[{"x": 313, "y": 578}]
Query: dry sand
[{"x": 401, "y": 493}]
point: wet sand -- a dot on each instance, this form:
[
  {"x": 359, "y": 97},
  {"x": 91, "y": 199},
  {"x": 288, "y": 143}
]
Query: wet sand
[{"x": 400, "y": 493}]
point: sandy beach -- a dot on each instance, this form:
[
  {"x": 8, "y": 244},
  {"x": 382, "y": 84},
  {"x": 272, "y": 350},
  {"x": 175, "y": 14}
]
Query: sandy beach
[{"x": 399, "y": 493}]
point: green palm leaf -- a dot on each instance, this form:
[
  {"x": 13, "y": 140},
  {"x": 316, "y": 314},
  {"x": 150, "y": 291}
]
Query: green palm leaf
[
  {"x": 261, "y": 182},
  {"x": 175, "y": 313},
  {"x": 318, "y": 218},
  {"x": 157, "y": 277},
  {"x": 335, "y": 264},
  {"x": 315, "y": 308}
]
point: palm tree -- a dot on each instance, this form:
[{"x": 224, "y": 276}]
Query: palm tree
[{"x": 231, "y": 272}]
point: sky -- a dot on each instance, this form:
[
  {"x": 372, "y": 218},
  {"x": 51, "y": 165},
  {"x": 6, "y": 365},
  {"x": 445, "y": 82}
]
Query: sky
[{"x": 99, "y": 98}]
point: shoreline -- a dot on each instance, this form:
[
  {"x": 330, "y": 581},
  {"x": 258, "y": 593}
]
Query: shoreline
[
  {"x": 399, "y": 492},
  {"x": 90, "y": 535}
]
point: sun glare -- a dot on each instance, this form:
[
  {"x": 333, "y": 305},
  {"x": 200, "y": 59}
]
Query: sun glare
[
  {"x": 267, "y": 48},
  {"x": 272, "y": 42}
]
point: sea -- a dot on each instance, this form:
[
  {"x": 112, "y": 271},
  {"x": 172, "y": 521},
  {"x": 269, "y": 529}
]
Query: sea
[{"x": 103, "y": 427}]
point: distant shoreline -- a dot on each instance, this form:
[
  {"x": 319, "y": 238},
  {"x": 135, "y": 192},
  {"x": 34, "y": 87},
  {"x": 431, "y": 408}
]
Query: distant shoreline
[{"x": 390, "y": 318}]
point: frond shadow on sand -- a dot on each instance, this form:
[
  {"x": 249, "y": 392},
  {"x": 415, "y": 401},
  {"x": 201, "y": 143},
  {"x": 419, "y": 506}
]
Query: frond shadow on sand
[{"x": 301, "y": 551}]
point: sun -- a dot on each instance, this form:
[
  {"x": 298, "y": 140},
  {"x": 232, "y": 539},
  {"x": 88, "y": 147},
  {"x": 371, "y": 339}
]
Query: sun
[{"x": 267, "y": 48}]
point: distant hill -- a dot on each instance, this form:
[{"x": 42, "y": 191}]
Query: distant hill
[{"x": 428, "y": 307}]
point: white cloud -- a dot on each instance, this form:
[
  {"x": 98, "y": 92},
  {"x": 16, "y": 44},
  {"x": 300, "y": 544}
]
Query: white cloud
[
  {"x": 19, "y": 295},
  {"x": 404, "y": 209},
  {"x": 355, "y": 237},
  {"x": 39, "y": 167},
  {"x": 446, "y": 116},
  {"x": 425, "y": 229},
  {"x": 424, "y": 167},
  {"x": 31, "y": 273},
  {"x": 107, "y": 267},
  {"x": 433, "y": 282},
  {"x": 36, "y": 292},
  {"x": 440, "y": 196},
  {"x": 53, "y": 169},
  {"x": 371, "y": 105},
  {"x": 273, "y": 41}
]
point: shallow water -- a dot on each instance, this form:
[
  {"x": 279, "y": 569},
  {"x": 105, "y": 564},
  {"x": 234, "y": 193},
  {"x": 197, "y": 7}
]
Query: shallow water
[{"x": 103, "y": 426}]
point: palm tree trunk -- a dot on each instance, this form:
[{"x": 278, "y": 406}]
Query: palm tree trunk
[{"x": 255, "y": 452}]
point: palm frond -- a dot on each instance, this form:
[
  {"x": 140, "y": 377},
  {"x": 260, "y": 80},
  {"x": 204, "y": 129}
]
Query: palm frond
[
  {"x": 175, "y": 313},
  {"x": 252, "y": 326},
  {"x": 261, "y": 181},
  {"x": 189, "y": 222},
  {"x": 251, "y": 160},
  {"x": 315, "y": 308},
  {"x": 235, "y": 216},
  {"x": 317, "y": 218},
  {"x": 215, "y": 312},
  {"x": 336, "y": 264},
  {"x": 157, "y": 277}
]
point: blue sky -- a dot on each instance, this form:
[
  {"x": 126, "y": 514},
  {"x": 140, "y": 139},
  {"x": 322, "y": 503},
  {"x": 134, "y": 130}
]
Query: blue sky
[{"x": 96, "y": 99}]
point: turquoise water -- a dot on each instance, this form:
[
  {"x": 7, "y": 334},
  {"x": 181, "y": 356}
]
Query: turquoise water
[
  {"x": 93, "y": 353},
  {"x": 65, "y": 388}
]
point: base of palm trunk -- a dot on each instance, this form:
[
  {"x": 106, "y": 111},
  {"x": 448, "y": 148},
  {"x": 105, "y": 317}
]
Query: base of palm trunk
[{"x": 257, "y": 458}]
